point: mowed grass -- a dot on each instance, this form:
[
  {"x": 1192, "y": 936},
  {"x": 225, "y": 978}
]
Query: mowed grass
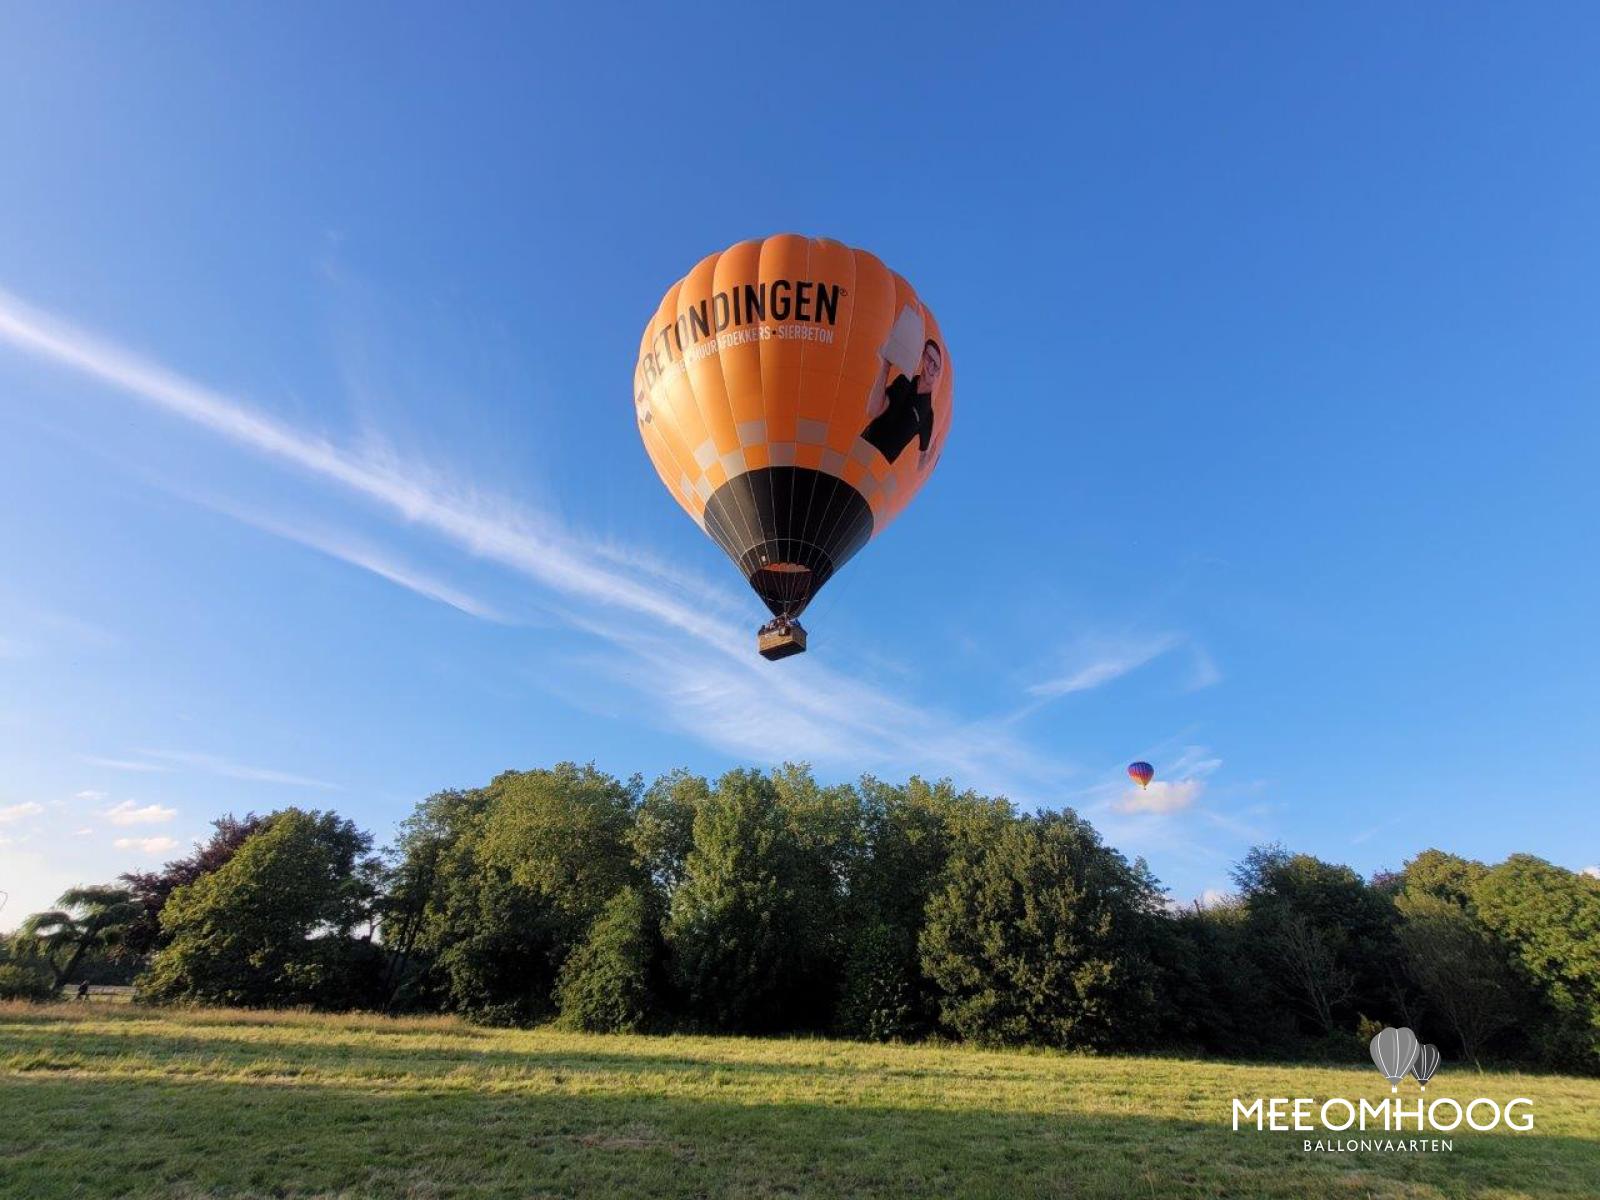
[{"x": 97, "y": 1101}]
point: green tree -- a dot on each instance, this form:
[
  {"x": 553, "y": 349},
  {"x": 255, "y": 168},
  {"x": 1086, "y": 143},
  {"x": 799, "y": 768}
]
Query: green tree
[
  {"x": 1043, "y": 936},
  {"x": 1209, "y": 984},
  {"x": 416, "y": 901},
  {"x": 911, "y": 833},
  {"x": 1461, "y": 969},
  {"x": 24, "y": 975},
  {"x": 832, "y": 854},
  {"x": 883, "y": 995},
  {"x": 518, "y": 873},
  {"x": 22, "y": 981},
  {"x": 1309, "y": 966},
  {"x": 662, "y": 834},
  {"x": 152, "y": 888},
  {"x": 273, "y": 925},
  {"x": 1549, "y": 920},
  {"x": 1322, "y": 937},
  {"x": 749, "y": 927},
  {"x": 89, "y": 918},
  {"x": 610, "y": 982},
  {"x": 908, "y": 836},
  {"x": 1445, "y": 876}
]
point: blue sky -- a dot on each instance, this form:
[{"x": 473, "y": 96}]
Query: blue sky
[{"x": 1273, "y": 458}]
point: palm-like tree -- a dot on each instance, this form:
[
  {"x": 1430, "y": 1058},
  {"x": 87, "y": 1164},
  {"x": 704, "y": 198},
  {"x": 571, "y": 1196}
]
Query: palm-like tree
[{"x": 89, "y": 917}]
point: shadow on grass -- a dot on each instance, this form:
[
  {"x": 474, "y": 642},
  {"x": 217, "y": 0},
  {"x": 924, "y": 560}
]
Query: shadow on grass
[{"x": 81, "y": 1135}]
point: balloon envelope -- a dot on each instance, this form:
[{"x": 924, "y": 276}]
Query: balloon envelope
[
  {"x": 1393, "y": 1052},
  {"x": 793, "y": 394},
  {"x": 1427, "y": 1063},
  {"x": 1141, "y": 773}
]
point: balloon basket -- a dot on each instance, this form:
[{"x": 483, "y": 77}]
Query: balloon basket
[{"x": 780, "y": 639}]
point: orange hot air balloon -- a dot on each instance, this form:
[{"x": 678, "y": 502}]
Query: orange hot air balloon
[
  {"x": 794, "y": 394},
  {"x": 1141, "y": 773}
]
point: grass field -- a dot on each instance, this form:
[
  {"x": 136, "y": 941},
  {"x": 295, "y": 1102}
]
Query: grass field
[{"x": 103, "y": 1101}]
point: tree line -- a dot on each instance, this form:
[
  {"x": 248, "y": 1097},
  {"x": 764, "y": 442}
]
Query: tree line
[{"x": 771, "y": 903}]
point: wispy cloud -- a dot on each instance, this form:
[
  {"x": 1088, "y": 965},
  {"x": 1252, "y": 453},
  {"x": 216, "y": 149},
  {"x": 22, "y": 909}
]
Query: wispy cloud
[
  {"x": 129, "y": 813},
  {"x": 86, "y": 831},
  {"x": 39, "y": 631},
  {"x": 493, "y": 530},
  {"x": 1193, "y": 761},
  {"x": 212, "y": 764},
  {"x": 1203, "y": 669},
  {"x": 360, "y": 554},
  {"x": 697, "y": 657},
  {"x": 1097, "y": 661},
  {"x": 149, "y": 845},
  {"x": 1238, "y": 827},
  {"x": 91, "y": 795},
  {"x": 16, "y": 812},
  {"x": 1100, "y": 659},
  {"x": 1366, "y": 835},
  {"x": 817, "y": 713},
  {"x": 168, "y": 761},
  {"x": 125, "y": 764}
]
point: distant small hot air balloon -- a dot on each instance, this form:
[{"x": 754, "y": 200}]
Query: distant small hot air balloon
[
  {"x": 794, "y": 395},
  {"x": 1426, "y": 1065},
  {"x": 1141, "y": 773},
  {"x": 1394, "y": 1051}
]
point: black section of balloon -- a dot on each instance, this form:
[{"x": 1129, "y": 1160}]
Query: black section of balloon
[{"x": 788, "y": 529}]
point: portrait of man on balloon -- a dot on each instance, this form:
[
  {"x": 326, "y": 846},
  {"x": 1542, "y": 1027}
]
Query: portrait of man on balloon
[{"x": 902, "y": 409}]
